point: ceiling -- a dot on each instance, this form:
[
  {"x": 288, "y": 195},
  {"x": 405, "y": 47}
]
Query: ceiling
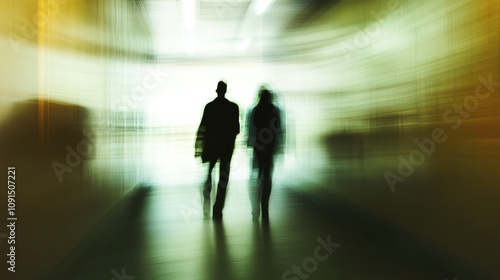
[{"x": 224, "y": 28}]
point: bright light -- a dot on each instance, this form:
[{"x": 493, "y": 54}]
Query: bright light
[
  {"x": 189, "y": 12},
  {"x": 244, "y": 44},
  {"x": 190, "y": 44},
  {"x": 262, "y": 6}
]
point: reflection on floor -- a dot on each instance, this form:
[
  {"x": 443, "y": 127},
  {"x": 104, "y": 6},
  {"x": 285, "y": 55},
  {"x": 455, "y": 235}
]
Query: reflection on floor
[{"x": 167, "y": 237}]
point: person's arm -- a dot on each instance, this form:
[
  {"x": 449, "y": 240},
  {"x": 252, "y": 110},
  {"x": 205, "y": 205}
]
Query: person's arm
[
  {"x": 200, "y": 135},
  {"x": 251, "y": 129},
  {"x": 279, "y": 130},
  {"x": 236, "y": 124}
]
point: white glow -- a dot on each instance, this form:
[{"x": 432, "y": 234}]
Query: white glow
[
  {"x": 189, "y": 12},
  {"x": 262, "y": 6},
  {"x": 244, "y": 44},
  {"x": 190, "y": 44}
]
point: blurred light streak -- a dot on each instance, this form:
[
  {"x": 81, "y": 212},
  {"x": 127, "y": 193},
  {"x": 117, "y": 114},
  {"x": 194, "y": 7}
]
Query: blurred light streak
[
  {"x": 190, "y": 44},
  {"x": 244, "y": 44},
  {"x": 262, "y": 6},
  {"x": 189, "y": 11}
]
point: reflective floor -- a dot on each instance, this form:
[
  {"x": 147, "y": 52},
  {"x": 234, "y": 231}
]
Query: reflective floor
[{"x": 167, "y": 237}]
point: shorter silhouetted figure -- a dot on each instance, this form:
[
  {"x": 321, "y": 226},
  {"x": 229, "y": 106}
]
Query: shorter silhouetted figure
[
  {"x": 215, "y": 141},
  {"x": 265, "y": 135}
]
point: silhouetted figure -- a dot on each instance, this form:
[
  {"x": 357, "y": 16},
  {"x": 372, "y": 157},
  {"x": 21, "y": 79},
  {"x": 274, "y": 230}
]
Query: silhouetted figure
[
  {"x": 265, "y": 135},
  {"x": 215, "y": 141}
]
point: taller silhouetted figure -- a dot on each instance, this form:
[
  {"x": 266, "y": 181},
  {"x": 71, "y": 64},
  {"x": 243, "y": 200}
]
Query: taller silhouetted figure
[
  {"x": 215, "y": 141},
  {"x": 265, "y": 135}
]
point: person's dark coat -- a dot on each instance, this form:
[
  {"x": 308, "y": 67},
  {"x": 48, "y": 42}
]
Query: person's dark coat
[
  {"x": 218, "y": 129},
  {"x": 265, "y": 128}
]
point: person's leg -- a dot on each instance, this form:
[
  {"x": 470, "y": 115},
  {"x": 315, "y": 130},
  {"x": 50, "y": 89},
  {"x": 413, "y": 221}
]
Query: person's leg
[
  {"x": 207, "y": 189},
  {"x": 255, "y": 190},
  {"x": 225, "y": 166},
  {"x": 266, "y": 183}
]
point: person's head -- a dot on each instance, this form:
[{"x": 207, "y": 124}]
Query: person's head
[
  {"x": 221, "y": 88},
  {"x": 265, "y": 96}
]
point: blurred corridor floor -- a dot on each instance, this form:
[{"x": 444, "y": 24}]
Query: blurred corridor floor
[{"x": 167, "y": 237}]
